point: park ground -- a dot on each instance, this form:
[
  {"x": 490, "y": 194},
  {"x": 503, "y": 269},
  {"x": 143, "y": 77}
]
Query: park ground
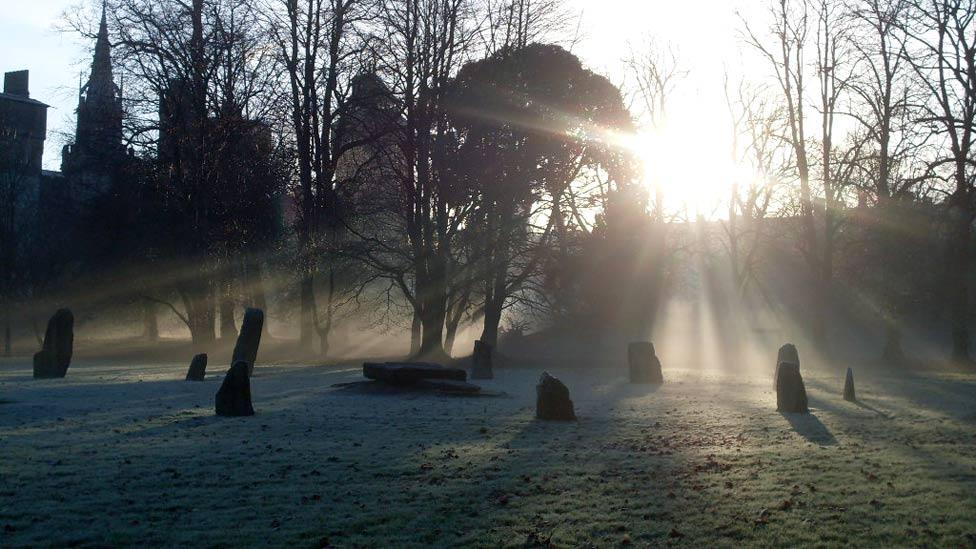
[{"x": 127, "y": 454}]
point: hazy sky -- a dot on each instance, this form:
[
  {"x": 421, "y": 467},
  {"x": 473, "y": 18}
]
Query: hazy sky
[{"x": 705, "y": 33}]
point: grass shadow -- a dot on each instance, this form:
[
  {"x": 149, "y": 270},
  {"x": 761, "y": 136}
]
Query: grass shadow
[
  {"x": 860, "y": 404},
  {"x": 811, "y": 428}
]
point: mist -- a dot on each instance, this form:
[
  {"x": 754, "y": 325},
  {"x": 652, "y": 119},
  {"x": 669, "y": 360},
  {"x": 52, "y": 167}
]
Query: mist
[{"x": 429, "y": 273}]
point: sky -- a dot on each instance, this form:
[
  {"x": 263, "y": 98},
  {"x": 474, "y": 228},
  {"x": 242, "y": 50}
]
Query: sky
[
  {"x": 691, "y": 156},
  {"x": 706, "y": 34},
  {"x": 28, "y": 40}
]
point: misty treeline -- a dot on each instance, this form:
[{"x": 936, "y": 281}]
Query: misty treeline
[{"x": 436, "y": 164}]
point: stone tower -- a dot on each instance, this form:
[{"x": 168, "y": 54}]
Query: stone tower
[{"x": 98, "y": 149}]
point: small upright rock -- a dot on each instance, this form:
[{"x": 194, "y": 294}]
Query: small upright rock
[
  {"x": 53, "y": 359},
  {"x": 645, "y": 367},
  {"x": 791, "y": 395},
  {"x": 552, "y": 400},
  {"x": 234, "y": 396},
  {"x": 849, "y": 386},
  {"x": 249, "y": 339},
  {"x": 481, "y": 361},
  {"x": 198, "y": 368}
]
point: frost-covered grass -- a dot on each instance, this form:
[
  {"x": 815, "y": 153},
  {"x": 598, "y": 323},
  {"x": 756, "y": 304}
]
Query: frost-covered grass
[{"x": 133, "y": 455}]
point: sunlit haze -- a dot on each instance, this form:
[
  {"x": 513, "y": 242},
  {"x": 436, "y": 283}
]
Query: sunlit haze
[{"x": 488, "y": 273}]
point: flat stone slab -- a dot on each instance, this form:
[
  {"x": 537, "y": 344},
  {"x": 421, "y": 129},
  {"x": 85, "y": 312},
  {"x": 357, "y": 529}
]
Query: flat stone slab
[
  {"x": 438, "y": 387},
  {"x": 409, "y": 373}
]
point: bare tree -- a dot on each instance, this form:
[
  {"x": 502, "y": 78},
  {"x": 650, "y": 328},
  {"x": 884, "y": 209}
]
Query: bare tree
[
  {"x": 320, "y": 48},
  {"x": 165, "y": 50},
  {"x": 518, "y": 23},
  {"x": 197, "y": 68},
  {"x": 797, "y": 23},
  {"x": 883, "y": 95},
  {"x": 425, "y": 43},
  {"x": 757, "y": 127},
  {"x": 941, "y": 49},
  {"x": 787, "y": 57},
  {"x": 656, "y": 72},
  {"x": 832, "y": 42},
  {"x": 882, "y": 89}
]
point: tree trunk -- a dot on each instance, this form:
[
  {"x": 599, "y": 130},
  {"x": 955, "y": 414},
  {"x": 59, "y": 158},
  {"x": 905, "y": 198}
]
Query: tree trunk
[
  {"x": 256, "y": 293},
  {"x": 560, "y": 298},
  {"x": 198, "y": 301},
  {"x": 432, "y": 330},
  {"x": 498, "y": 254},
  {"x": 150, "y": 323},
  {"x": 324, "y": 327},
  {"x": 228, "y": 330},
  {"x": 821, "y": 306},
  {"x": 7, "y": 339},
  {"x": 494, "y": 303},
  {"x": 493, "y": 317},
  {"x": 450, "y": 335},
  {"x": 433, "y": 311},
  {"x": 38, "y": 334},
  {"x": 415, "y": 331},
  {"x": 893, "y": 352},
  {"x": 307, "y": 332},
  {"x": 958, "y": 284}
]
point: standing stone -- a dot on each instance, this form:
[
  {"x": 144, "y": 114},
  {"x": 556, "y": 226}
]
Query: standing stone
[
  {"x": 53, "y": 359},
  {"x": 849, "y": 386},
  {"x": 791, "y": 395},
  {"x": 552, "y": 400},
  {"x": 481, "y": 359},
  {"x": 645, "y": 367},
  {"x": 198, "y": 368},
  {"x": 249, "y": 339},
  {"x": 788, "y": 354},
  {"x": 234, "y": 396}
]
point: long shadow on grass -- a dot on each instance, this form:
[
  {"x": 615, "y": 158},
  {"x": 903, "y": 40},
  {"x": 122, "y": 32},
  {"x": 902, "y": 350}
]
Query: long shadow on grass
[
  {"x": 628, "y": 462},
  {"x": 860, "y": 404},
  {"x": 810, "y": 428}
]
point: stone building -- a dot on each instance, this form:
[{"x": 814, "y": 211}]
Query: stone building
[{"x": 23, "y": 125}]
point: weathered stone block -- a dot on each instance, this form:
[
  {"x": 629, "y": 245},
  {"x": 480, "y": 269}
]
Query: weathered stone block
[
  {"x": 234, "y": 396},
  {"x": 55, "y": 355},
  {"x": 552, "y": 400},
  {"x": 248, "y": 341},
  {"x": 645, "y": 367},
  {"x": 198, "y": 368}
]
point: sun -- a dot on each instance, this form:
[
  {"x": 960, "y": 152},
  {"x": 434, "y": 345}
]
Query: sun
[{"x": 688, "y": 172}]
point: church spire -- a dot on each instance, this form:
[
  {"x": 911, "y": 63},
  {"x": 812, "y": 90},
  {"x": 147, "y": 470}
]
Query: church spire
[
  {"x": 99, "y": 133},
  {"x": 101, "y": 74}
]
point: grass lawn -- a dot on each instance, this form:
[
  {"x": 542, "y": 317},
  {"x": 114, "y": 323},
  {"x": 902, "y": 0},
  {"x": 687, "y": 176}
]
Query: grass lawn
[{"x": 133, "y": 455}]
